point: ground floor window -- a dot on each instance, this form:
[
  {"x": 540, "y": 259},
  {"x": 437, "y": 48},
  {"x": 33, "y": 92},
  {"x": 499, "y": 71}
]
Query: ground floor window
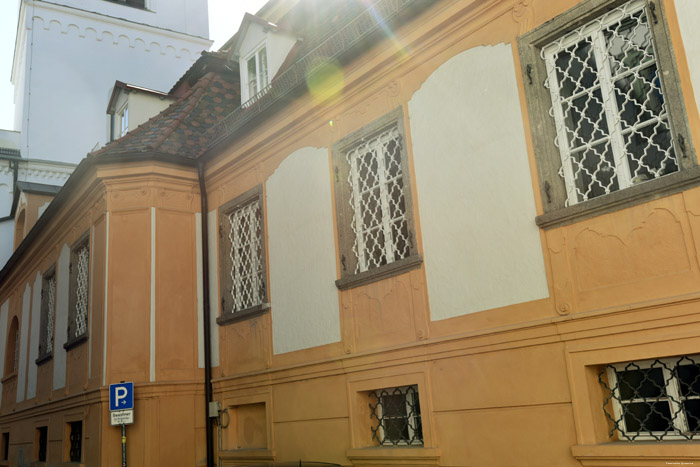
[{"x": 653, "y": 399}]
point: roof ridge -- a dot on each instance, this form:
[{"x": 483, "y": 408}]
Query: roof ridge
[{"x": 197, "y": 93}]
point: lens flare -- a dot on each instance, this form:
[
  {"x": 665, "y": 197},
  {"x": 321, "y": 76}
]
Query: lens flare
[{"x": 325, "y": 81}]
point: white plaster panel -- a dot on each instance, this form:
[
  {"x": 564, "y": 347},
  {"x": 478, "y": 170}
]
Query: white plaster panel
[
  {"x": 482, "y": 249},
  {"x": 60, "y": 335},
  {"x": 23, "y": 343},
  {"x": 304, "y": 298},
  {"x": 34, "y": 336},
  {"x": 213, "y": 291},
  {"x": 689, "y": 20},
  {"x": 4, "y": 311}
]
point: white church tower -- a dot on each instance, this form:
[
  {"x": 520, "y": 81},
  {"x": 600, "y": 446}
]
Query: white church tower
[{"x": 68, "y": 55}]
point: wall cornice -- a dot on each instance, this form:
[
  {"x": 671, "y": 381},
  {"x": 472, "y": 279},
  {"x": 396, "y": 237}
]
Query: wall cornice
[{"x": 104, "y": 28}]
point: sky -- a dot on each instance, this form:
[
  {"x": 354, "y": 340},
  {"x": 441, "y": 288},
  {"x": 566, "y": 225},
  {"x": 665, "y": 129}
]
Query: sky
[{"x": 224, "y": 18}]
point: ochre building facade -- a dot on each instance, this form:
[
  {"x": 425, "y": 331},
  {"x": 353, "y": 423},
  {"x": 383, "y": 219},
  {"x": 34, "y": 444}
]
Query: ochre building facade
[{"x": 450, "y": 233}]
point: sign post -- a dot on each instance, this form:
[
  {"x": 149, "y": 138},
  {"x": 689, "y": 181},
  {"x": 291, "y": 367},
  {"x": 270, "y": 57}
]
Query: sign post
[{"x": 121, "y": 409}]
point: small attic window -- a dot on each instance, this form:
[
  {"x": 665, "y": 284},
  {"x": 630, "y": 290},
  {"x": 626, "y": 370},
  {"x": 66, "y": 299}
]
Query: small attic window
[{"x": 255, "y": 72}]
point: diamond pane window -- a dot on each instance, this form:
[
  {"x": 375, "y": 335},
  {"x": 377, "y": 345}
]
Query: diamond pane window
[
  {"x": 81, "y": 307},
  {"x": 48, "y": 309},
  {"x": 653, "y": 399},
  {"x": 243, "y": 275},
  {"x": 246, "y": 251},
  {"x": 377, "y": 200},
  {"x": 373, "y": 202},
  {"x": 79, "y": 292},
  {"x": 611, "y": 118},
  {"x": 395, "y": 416}
]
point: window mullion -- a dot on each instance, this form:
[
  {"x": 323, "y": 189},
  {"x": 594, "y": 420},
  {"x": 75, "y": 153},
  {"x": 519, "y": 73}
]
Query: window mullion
[
  {"x": 674, "y": 399},
  {"x": 234, "y": 238},
  {"x": 562, "y": 138},
  {"x": 252, "y": 245},
  {"x": 612, "y": 115},
  {"x": 383, "y": 182},
  {"x": 357, "y": 217}
]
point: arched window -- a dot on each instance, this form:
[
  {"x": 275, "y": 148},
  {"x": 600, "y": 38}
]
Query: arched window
[{"x": 12, "y": 349}]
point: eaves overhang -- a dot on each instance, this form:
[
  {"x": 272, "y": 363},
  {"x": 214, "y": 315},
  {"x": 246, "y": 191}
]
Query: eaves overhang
[{"x": 74, "y": 182}]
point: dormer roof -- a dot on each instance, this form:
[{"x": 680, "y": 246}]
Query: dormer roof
[
  {"x": 248, "y": 21},
  {"x": 120, "y": 86}
]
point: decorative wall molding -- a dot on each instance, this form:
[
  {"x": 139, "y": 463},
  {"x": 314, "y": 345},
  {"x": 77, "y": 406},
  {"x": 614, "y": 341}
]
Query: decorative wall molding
[{"x": 115, "y": 37}]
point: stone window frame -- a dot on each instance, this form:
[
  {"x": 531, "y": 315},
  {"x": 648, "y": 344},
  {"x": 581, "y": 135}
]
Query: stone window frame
[
  {"x": 543, "y": 131},
  {"x": 364, "y": 450},
  {"x": 73, "y": 341},
  {"x": 225, "y": 281},
  {"x": 345, "y": 215},
  {"x": 44, "y": 355}
]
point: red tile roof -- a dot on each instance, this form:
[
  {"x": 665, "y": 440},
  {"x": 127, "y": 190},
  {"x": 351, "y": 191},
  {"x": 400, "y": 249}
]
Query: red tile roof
[{"x": 180, "y": 129}]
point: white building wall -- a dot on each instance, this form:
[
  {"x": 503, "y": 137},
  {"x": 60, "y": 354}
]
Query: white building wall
[
  {"x": 188, "y": 16},
  {"x": 303, "y": 295},
  {"x": 477, "y": 209},
  {"x": 75, "y": 58},
  {"x": 689, "y": 20}
]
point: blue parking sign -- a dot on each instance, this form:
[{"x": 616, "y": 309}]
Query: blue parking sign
[{"x": 121, "y": 396}]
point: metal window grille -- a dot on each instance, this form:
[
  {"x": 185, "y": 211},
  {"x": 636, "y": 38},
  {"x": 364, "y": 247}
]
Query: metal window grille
[
  {"x": 81, "y": 303},
  {"x": 245, "y": 235},
  {"x": 377, "y": 200},
  {"x": 43, "y": 441},
  {"x": 50, "y": 309},
  {"x": 5, "y": 446},
  {"x": 653, "y": 399},
  {"x": 395, "y": 416},
  {"x": 608, "y": 105},
  {"x": 76, "y": 441}
]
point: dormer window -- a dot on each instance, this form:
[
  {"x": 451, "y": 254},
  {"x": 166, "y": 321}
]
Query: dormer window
[
  {"x": 256, "y": 72},
  {"x": 123, "y": 120}
]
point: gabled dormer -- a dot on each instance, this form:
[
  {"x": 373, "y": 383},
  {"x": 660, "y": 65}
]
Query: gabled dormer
[
  {"x": 129, "y": 106},
  {"x": 260, "y": 48}
]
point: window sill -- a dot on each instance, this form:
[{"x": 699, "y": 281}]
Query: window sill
[
  {"x": 638, "y": 454},
  {"x": 228, "y": 318},
  {"x": 8, "y": 377},
  {"x": 75, "y": 342},
  {"x": 44, "y": 358},
  {"x": 382, "y": 272},
  {"x": 632, "y": 196},
  {"x": 384, "y": 456}
]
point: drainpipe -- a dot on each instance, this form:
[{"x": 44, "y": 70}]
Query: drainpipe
[{"x": 205, "y": 314}]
